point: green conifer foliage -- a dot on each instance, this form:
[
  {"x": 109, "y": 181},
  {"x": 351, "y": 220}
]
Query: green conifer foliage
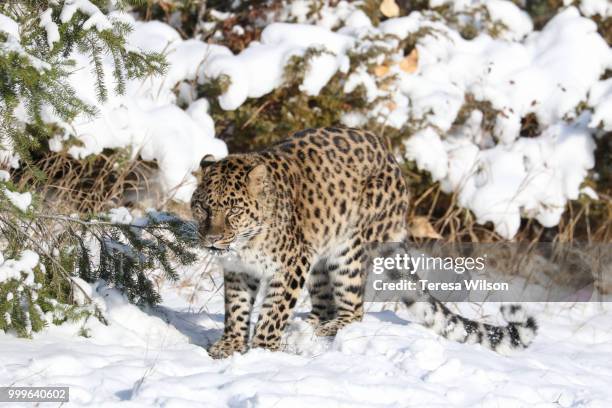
[
  {"x": 70, "y": 250},
  {"x": 37, "y": 39},
  {"x": 37, "y": 42}
]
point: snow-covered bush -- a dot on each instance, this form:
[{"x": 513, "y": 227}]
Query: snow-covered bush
[
  {"x": 488, "y": 106},
  {"x": 502, "y": 115}
]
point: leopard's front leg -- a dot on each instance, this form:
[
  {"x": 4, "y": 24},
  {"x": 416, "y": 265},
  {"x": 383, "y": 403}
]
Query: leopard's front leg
[
  {"x": 240, "y": 291},
  {"x": 282, "y": 295}
]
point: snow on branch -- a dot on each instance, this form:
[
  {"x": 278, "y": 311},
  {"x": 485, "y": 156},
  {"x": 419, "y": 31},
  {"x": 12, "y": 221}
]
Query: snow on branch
[
  {"x": 50, "y": 27},
  {"x": 96, "y": 17}
]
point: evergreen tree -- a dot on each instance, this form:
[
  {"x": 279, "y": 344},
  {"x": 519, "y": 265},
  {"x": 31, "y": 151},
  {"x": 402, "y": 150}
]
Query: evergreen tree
[
  {"x": 37, "y": 39},
  {"x": 45, "y": 258}
]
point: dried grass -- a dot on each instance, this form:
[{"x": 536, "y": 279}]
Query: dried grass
[{"x": 91, "y": 185}]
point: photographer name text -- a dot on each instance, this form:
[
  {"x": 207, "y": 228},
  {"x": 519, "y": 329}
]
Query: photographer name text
[{"x": 424, "y": 284}]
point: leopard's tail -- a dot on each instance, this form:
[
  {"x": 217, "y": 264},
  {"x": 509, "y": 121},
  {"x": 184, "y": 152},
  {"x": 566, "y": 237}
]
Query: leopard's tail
[{"x": 517, "y": 334}]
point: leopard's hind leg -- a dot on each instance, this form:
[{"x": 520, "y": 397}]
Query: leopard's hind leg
[
  {"x": 345, "y": 271},
  {"x": 382, "y": 218},
  {"x": 321, "y": 295}
]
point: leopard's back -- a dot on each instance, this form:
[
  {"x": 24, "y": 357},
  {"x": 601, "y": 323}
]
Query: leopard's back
[{"x": 343, "y": 177}]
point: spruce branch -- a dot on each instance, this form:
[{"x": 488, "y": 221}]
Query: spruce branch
[
  {"x": 125, "y": 256},
  {"x": 35, "y": 69}
]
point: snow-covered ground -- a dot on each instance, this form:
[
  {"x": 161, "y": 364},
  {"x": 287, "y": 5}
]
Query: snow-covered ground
[{"x": 158, "y": 359}]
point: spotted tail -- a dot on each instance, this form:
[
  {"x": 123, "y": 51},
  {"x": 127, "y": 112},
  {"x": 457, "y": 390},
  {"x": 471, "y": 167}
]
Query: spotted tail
[{"x": 517, "y": 334}]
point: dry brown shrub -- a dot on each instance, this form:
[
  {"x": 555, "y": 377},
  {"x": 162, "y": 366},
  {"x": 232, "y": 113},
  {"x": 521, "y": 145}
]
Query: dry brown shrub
[
  {"x": 585, "y": 220},
  {"x": 91, "y": 185}
]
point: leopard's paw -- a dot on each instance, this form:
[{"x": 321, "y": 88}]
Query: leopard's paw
[
  {"x": 225, "y": 347},
  {"x": 271, "y": 343},
  {"x": 331, "y": 327}
]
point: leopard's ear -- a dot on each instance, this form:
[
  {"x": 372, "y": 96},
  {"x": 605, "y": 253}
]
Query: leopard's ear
[
  {"x": 207, "y": 161},
  {"x": 256, "y": 179}
]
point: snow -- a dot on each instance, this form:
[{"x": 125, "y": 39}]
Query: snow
[
  {"x": 361, "y": 78},
  {"x": 387, "y": 360},
  {"x": 533, "y": 177},
  {"x": 13, "y": 268},
  {"x": 20, "y": 200},
  {"x": 259, "y": 69},
  {"x": 590, "y": 8},
  {"x": 96, "y": 18},
  {"x": 9, "y": 26},
  {"x": 120, "y": 215},
  {"x": 156, "y": 356},
  {"x": 146, "y": 119},
  {"x": 431, "y": 152},
  {"x": 341, "y": 14},
  {"x": 516, "y": 78},
  {"x": 589, "y": 192},
  {"x": 517, "y": 22},
  {"x": 12, "y": 44},
  {"x": 50, "y": 27},
  {"x": 320, "y": 70},
  {"x": 82, "y": 291}
]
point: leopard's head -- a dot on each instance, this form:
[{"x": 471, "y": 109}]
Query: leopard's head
[{"x": 229, "y": 204}]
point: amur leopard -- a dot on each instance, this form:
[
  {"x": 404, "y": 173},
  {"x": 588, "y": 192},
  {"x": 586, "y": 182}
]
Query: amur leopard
[{"x": 299, "y": 214}]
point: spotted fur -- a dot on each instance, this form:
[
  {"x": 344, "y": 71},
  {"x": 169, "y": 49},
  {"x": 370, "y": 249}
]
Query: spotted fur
[
  {"x": 299, "y": 214},
  {"x": 517, "y": 334}
]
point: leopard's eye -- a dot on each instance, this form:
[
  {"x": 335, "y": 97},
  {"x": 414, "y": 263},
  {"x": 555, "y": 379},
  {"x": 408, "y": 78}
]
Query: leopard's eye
[
  {"x": 235, "y": 210},
  {"x": 203, "y": 213}
]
